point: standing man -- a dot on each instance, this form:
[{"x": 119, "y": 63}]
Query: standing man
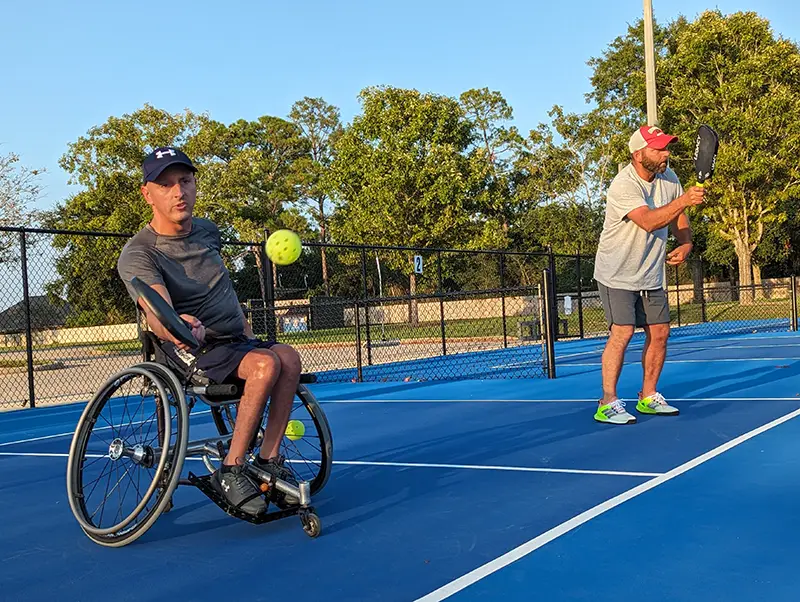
[{"x": 644, "y": 199}]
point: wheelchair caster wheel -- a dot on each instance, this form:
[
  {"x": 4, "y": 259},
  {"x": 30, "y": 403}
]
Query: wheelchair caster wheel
[{"x": 311, "y": 524}]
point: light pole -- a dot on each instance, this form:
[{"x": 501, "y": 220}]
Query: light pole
[{"x": 650, "y": 64}]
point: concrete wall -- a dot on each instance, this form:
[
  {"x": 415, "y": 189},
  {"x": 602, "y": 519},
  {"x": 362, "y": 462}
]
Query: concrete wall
[{"x": 72, "y": 336}]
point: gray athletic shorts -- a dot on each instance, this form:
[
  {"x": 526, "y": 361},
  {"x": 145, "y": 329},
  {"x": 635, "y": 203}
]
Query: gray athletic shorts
[{"x": 634, "y": 308}]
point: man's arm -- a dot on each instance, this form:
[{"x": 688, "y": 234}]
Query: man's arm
[
  {"x": 654, "y": 219},
  {"x": 683, "y": 232},
  {"x": 198, "y": 330},
  {"x": 681, "y": 229}
]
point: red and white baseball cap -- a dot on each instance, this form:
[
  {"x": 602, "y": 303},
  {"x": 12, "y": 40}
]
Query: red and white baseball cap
[{"x": 649, "y": 135}]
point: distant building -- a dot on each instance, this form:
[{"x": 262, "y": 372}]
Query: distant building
[{"x": 44, "y": 314}]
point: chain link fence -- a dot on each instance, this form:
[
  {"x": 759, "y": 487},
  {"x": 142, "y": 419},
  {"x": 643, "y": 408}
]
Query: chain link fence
[
  {"x": 700, "y": 305},
  {"x": 66, "y": 321},
  {"x": 355, "y": 313}
]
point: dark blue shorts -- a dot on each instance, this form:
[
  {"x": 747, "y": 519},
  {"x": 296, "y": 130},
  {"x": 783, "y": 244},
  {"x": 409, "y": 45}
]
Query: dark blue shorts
[{"x": 217, "y": 360}]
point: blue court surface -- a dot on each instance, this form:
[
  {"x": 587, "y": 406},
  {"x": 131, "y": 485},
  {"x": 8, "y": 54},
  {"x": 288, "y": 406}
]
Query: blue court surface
[{"x": 486, "y": 489}]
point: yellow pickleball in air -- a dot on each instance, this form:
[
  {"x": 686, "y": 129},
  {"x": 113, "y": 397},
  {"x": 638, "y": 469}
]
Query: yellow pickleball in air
[
  {"x": 284, "y": 247},
  {"x": 295, "y": 430}
]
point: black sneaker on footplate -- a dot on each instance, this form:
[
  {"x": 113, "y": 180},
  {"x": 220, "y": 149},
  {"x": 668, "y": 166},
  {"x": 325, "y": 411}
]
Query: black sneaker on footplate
[{"x": 239, "y": 489}]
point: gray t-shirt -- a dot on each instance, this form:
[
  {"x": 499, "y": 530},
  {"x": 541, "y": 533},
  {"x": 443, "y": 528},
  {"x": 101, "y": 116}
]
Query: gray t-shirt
[
  {"x": 628, "y": 257},
  {"x": 190, "y": 266}
]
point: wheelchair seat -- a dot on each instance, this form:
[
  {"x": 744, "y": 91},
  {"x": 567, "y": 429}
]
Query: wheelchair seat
[{"x": 214, "y": 393}]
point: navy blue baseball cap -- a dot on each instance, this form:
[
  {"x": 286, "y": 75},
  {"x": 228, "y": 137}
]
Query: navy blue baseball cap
[{"x": 160, "y": 159}]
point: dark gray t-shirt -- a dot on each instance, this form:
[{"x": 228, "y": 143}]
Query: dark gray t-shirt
[{"x": 190, "y": 266}]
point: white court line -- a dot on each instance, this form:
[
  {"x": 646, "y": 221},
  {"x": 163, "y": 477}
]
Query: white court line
[
  {"x": 675, "y": 346},
  {"x": 382, "y": 401},
  {"x": 702, "y": 361},
  {"x": 44, "y": 455},
  {"x": 613, "y": 473},
  {"x": 71, "y": 433},
  {"x": 631, "y": 363},
  {"x": 38, "y": 438},
  {"x": 537, "y": 542},
  {"x": 559, "y": 400}
]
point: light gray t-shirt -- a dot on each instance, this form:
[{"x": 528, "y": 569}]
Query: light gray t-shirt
[
  {"x": 628, "y": 257},
  {"x": 190, "y": 266}
]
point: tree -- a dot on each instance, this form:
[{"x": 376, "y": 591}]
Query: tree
[
  {"x": 107, "y": 163},
  {"x": 19, "y": 188},
  {"x": 618, "y": 76},
  {"x": 246, "y": 181},
  {"x": 492, "y": 156},
  {"x": 732, "y": 73},
  {"x": 563, "y": 172},
  {"x": 249, "y": 177},
  {"x": 401, "y": 176},
  {"x": 320, "y": 126}
]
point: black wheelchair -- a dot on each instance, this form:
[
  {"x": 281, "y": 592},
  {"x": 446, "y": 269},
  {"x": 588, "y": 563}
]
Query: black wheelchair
[{"x": 133, "y": 438}]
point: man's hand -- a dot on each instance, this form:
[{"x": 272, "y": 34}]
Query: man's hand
[
  {"x": 678, "y": 255},
  {"x": 198, "y": 330},
  {"x": 694, "y": 196}
]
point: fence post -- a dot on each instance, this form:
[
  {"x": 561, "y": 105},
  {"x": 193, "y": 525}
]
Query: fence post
[
  {"x": 793, "y": 295},
  {"x": 269, "y": 291},
  {"x": 678, "y": 294},
  {"x": 441, "y": 301},
  {"x": 28, "y": 330},
  {"x": 551, "y": 262},
  {"x": 503, "y": 298},
  {"x": 359, "y": 371},
  {"x": 703, "y": 290},
  {"x": 549, "y": 334},
  {"x": 366, "y": 305},
  {"x": 580, "y": 293}
]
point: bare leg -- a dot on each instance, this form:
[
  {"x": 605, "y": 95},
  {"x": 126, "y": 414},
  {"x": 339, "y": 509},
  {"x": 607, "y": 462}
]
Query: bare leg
[
  {"x": 613, "y": 357},
  {"x": 653, "y": 355},
  {"x": 280, "y": 408},
  {"x": 260, "y": 370}
]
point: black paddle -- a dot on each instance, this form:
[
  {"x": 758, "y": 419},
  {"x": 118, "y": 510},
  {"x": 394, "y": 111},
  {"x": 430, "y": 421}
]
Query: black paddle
[
  {"x": 163, "y": 311},
  {"x": 705, "y": 154}
]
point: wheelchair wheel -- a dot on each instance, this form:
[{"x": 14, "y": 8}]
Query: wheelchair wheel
[
  {"x": 309, "y": 456},
  {"x": 127, "y": 453}
]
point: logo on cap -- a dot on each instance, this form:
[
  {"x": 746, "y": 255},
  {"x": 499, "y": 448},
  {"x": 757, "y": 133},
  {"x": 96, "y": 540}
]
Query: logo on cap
[{"x": 161, "y": 158}]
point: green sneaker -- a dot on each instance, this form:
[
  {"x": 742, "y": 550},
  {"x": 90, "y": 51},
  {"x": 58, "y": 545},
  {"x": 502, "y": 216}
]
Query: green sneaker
[
  {"x": 656, "y": 404},
  {"x": 614, "y": 413}
]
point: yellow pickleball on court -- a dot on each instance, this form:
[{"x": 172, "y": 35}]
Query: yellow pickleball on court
[
  {"x": 284, "y": 247},
  {"x": 295, "y": 430}
]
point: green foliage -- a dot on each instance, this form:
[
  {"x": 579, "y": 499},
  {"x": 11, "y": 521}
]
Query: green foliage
[
  {"x": 248, "y": 173},
  {"x": 400, "y": 175},
  {"x": 427, "y": 170},
  {"x": 247, "y": 182},
  {"x": 107, "y": 163},
  {"x": 734, "y": 74},
  {"x": 492, "y": 154},
  {"x": 572, "y": 229}
]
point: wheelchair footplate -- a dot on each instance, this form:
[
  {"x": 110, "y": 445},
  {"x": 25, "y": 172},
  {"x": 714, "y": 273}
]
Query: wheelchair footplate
[{"x": 308, "y": 517}]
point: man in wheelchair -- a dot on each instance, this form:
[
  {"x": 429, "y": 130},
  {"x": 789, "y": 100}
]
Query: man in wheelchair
[{"x": 178, "y": 255}]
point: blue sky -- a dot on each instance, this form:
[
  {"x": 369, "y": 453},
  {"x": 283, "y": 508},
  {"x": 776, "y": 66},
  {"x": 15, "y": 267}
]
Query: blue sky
[{"x": 70, "y": 65}]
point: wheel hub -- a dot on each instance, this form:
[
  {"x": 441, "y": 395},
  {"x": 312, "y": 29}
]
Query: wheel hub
[{"x": 115, "y": 449}]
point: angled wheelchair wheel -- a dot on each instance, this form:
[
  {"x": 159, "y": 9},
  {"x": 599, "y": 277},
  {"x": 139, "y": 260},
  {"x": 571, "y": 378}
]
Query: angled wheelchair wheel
[
  {"x": 127, "y": 453},
  {"x": 309, "y": 455}
]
